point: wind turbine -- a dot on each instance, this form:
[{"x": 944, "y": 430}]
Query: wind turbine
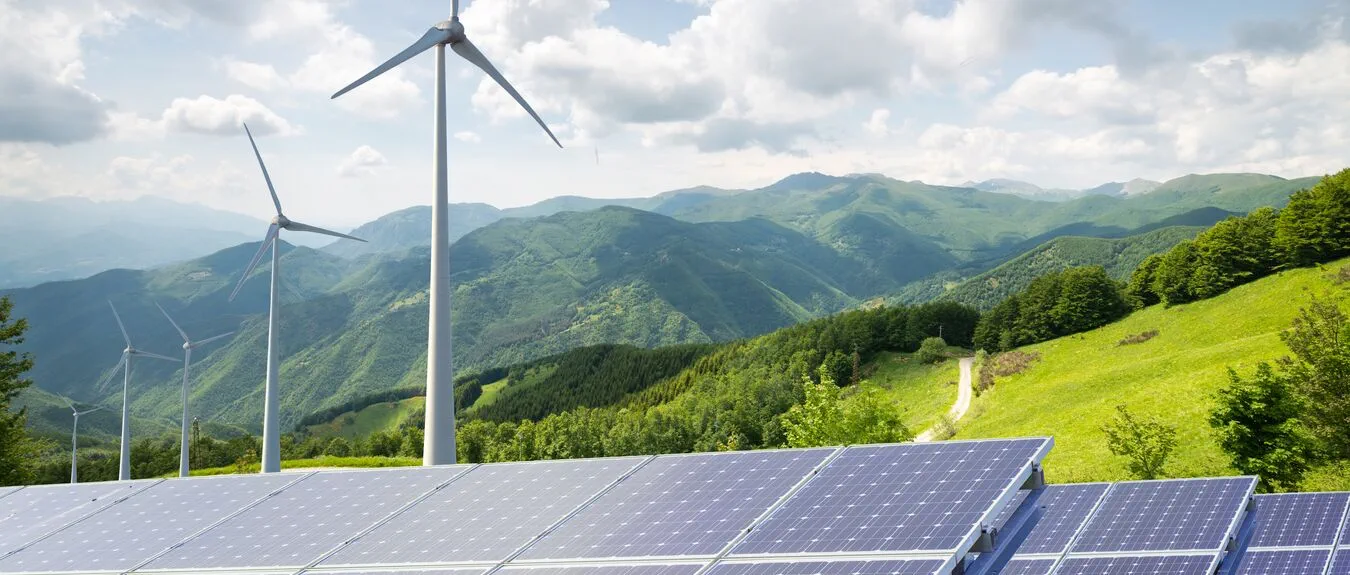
[
  {"x": 74, "y": 434},
  {"x": 188, "y": 346},
  {"x": 439, "y": 443},
  {"x": 124, "y": 465},
  {"x": 271, "y": 455}
]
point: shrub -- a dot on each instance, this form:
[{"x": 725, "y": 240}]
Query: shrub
[
  {"x": 932, "y": 350},
  {"x": 1138, "y": 338}
]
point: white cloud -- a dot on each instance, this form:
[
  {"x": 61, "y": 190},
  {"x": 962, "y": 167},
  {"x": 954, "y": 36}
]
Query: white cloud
[
  {"x": 364, "y": 161},
  {"x": 180, "y": 177},
  {"x": 468, "y": 136},
  {"x": 257, "y": 76},
  {"x": 876, "y": 124},
  {"x": 209, "y": 115}
]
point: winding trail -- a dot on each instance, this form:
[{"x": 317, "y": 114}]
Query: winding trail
[{"x": 963, "y": 395}]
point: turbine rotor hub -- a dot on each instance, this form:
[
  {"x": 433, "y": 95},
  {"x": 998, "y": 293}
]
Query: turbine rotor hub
[
  {"x": 455, "y": 28},
  {"x": 187, "y": 345},
  {"x": 281, "y": 221}
]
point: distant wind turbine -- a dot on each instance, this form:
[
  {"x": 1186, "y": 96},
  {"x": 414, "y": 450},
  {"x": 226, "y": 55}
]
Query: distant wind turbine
[
  {"x": 439, "y": 443},
  {"x": 124, "y": 465},
  {"x": 74, "y": 434},
  {"x": 271, "y": 455},
  {"x": 188, "y": 346}
]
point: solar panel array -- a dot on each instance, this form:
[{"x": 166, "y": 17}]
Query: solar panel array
[
  {"x": 1293, "y": 533},
  {"x": 910, "y": 508}
]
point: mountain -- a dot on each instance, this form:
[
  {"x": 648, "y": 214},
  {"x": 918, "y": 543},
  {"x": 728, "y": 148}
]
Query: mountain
[
  {"x": 70, "y": 237},
  {"x": 1024, "y": 189},
  {"x": 522, "y": 289},
  {"x": 1133, "y": 187}
]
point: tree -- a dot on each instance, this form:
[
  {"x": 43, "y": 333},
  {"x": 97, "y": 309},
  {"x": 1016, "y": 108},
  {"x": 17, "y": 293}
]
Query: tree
[
  {"x": 1088, "y": 299},
  {"x": 1146, "y": 443},
  {"x": 1315, "y": 225},
  {"x": 1258, "y": 426},
  {"x": 932, "y": 350},
  {"x": 1320, "y": 342},
  {"x": 1172, "y": 279},
  {"x": 1139, "y": 291},
  {"x": 18, "y": 452}
]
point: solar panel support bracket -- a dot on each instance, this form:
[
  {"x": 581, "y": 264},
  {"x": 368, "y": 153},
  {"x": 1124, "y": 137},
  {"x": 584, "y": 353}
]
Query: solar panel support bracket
[
  {"x": 987, "y": 541},
  {"x": 1036, "y": 479}
]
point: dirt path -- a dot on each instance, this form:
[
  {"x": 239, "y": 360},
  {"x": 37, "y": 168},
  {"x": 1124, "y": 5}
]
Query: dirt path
[{"x": 963, "y": 395}]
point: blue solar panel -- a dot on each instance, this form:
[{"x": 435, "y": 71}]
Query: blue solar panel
[
  {"x": 32, "y": 512},
  {"x": 907, "y": 497},
  {"x": 868, "y": 567},
  {"x": 1157, "y": 565},
  {"x": 1340, "y": 565},
  {"x": 1290, "y": 562},
  {"x": 679, "y": 505},
  {"x": 487, "y": 514},
  {"x": 460, "y": 571},
  {"x": 1184, "y": 514},
  {"x": 123, "y": 535},
  {"x": 1066, "y": 509},
  {"x": 311, "y": 517},
  {"x": 1027, "y": 567},
  {"x": 1297, "y": 519},
  {"x": 638, "y": 569}
]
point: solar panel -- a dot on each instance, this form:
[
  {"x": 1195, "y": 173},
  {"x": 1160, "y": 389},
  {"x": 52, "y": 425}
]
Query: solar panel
[
  {"x": 487, "y": 514},
  {"x": 305, "y": 520},
  {"x": 679, "y": 505},
  {"x": 34, "y": 511},
  {"x": 1340, "y": 565},
  {"x": 1285, "y": 562},
  {"x": 459, "y": 571},
  {"x": 123, "y": 535},
  {"x": 1297, "y": 519},
  {"x": 1067, "y": 507},
  {"x": 865, "y": 567},
  {"x": 1027, "y": 567},
  {"x": 1171, "y": 515},
  {"x": 9, "y": 489},
  {"x": 1154, "y": 565},
  {"x": 636, "y": 569},
  {"x": 906, "y": 497}
]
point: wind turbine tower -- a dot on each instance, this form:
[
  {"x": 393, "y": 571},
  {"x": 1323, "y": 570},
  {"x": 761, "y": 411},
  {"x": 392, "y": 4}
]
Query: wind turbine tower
[
  {"x": 74, "y": 435},
  {"x": 439, "y": 443},
  {"x": 271, "y": 455},
  {"x": 188, "y": 346},
  {"x": 124, "y": 465}
]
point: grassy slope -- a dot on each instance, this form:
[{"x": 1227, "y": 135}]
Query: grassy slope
[
  {"x": 921, "y": 390},
  {"x": 378, "y": 417},
  {"x": 1079, "y": 379}
]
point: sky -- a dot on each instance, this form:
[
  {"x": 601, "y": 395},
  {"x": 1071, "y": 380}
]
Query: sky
[{"x": 114, "y": 99}]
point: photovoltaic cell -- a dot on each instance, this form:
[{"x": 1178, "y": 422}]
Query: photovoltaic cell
[
  {"x": 907, "y": 497},
  {"x": 872, "y": 567},
  {"x": 461, "y": 571},
  {"x": 305, "y": 520},
  {"x": 32, "y": 512},
  {"x": 123, "y": 535},
  {"x": 1157, "y": 565},
  {"x": 1340, "y": 565},
  {"x": 1186, "y": 514},
  {"x": 1028, "y": 567},
  {"x": 639, "y": 569},
  {"x": 679, "y": 505},
  {"x": 1297, "y": 519},
  {"x": 1066, "y": 509},
  {"x": 1283, "y": 562},
  {"x": 487, "y": 514}
]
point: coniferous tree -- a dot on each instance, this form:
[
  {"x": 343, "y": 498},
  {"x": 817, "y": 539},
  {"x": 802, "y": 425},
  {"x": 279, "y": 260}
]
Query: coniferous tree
[{"x": 17, "y": 450}]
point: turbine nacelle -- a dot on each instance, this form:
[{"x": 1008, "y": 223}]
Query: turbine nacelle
[
  {"x": 281, "y": 221},
  {"x": 455, "y": 29}
]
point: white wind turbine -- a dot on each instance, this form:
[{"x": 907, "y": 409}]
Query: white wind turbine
[
  {"x": 124, "y": 465},
  {"x": 74, "y": 434},
  {"x": 188, "y": 346},
  {"x": 271, "y": 451},
  {"x": 439, "y": 443}
]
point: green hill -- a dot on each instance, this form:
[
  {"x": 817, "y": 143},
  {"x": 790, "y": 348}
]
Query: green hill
[{"x": 1079, "y": 379}]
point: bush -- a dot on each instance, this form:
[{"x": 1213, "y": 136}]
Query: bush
[
  {"x": 1138, "y": 338},
  {"x": 1146, "y": 443},
  {"x": 932, "y": 350}
]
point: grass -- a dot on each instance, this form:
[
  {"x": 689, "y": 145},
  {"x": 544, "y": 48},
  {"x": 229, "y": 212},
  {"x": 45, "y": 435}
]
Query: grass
[
  {"x": 1079, "y": 379},
  {"x": 325, "y": 461},
  {"x": 377, "y": 417},
  {"x": 491, "y": 392},
  {"x": 921, "y": 390}
]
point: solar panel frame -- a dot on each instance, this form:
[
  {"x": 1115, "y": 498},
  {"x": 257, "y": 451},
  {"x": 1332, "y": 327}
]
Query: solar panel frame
[
  {"x": 108, "y": 493},
  {"x": 393, "y": 570},
  {"x": 1277, "y": 562},
  {"x": 1028, "y": 566},
  {"x": 8, "y": 489},
  {"x": 1052, "y": 522},
  {"x": 660, "y": 567},
  {"x": 1192, "y": 563},
  {"x": 1247, "y": 486},
  {"x": 1340, "y": 562},
  {"x": 831, "y": 566},
  {"x": 1006, "y": 497},
  {"x": 634, "y": 463},
  {"x": 1284, "y": 508},
  {"x": 101, "y": 539}
]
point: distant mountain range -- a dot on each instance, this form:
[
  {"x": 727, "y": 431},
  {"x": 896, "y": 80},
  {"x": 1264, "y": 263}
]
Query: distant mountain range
[{"x": 688, "y": 266}]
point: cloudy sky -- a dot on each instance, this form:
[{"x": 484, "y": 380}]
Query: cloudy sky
[{"x": 120, "y": 98}]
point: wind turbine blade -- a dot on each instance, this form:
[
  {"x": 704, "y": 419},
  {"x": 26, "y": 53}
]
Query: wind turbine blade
[
  {"x": 211, "y": 339},
  {"x": 67, "y": 400},
  {"x": 103, "y": 383},
  {"x": 119, "y": 323},
  {"x": 140, "y": 353},
  {"x": 275, "y": 201},
  {"x": 454, "y": 12},
  {"x": 433, "y": 37},
  {"x": 253, "y": 263},
  {"x": 172, "y": 322},
  {"x": 469, "y": 52},
  {"x": 295, "y": 226}
]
